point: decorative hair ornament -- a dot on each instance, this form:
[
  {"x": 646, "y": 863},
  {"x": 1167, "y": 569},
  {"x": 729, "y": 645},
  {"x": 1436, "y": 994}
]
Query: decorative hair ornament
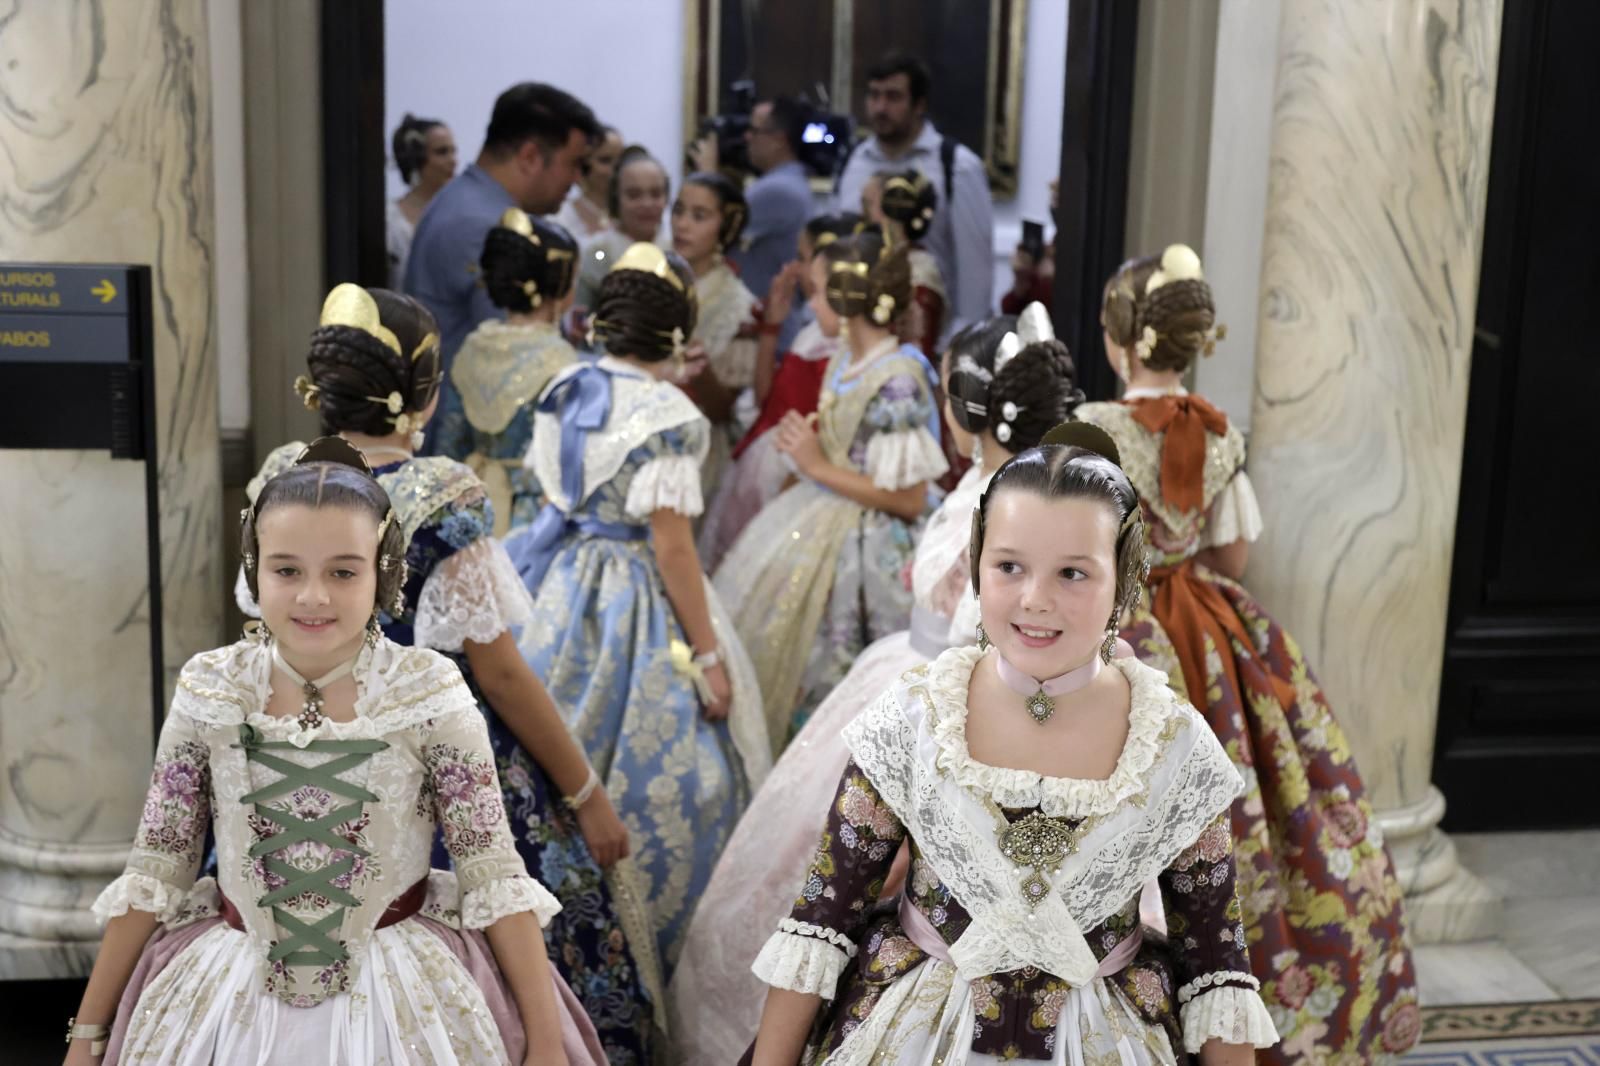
[
  {"x": 516, "y": 220},
  {"x": 1034, "y": 325},
  {"x": 1146, "y": 343},
  {"x": 647, "y": 258},
  {"x": 309, "y": 393},
  {"x": 824, "y": 239},
  {"x": 1006, "y": 351},
  {"x": 530, "y": 289},
  {"x": 1216, "y": 333},
  {"x": 1178, "y": 263},
  {"x": 884, "y": 311},
  {"x": 352, "y": 306}
]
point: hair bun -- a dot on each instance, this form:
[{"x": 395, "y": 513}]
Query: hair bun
[
  {"x": 1085, "y": 435},
  {"x": 1178, "y": 263}
]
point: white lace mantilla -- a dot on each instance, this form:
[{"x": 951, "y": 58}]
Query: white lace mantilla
[
  {"x": 940, "y": 569},
  {"x": 726, "y": 306},
  {"x": 641, "y": 407},
  {"x": 904, "y": 457},
  {"x": 947, "y": 801},
  {"x": 671, "y": 482},
  {"x": 1231, "y": 1014},
  {"x": 475, "y": 594}
]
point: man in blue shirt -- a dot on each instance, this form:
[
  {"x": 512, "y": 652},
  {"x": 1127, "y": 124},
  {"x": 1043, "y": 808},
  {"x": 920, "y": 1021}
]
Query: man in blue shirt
[
  {"x": 537, "y": 138},
  {"x": 780, "y": 201},
  {"x": 962, "y": 235}
]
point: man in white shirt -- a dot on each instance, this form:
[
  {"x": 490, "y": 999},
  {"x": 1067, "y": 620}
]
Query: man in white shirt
[{"x": 962, "y": 236}]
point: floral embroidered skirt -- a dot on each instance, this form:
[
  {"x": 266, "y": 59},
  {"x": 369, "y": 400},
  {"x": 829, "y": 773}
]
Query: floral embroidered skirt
[{"x": 1322, "y": 906}]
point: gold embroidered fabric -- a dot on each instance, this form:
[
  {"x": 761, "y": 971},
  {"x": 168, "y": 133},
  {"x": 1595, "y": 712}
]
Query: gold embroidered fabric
[{"x": 501, "y": 367}]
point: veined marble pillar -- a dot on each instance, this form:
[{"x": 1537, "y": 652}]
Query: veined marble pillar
[
  {"x": 1379, "y": 165},
  {"x": 105, "y": 156}
]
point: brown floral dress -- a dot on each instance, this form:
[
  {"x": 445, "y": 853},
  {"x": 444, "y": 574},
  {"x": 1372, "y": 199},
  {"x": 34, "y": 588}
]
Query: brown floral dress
[
  {"x": 963, "y": 962},
  {"x": 1322, "y": 906}
]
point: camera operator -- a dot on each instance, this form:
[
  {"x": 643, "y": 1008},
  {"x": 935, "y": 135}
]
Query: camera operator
[{"x": 779, "y": 197}]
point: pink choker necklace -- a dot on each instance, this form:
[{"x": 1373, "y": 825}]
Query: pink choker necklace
[{"x": 1040, "y": 695}]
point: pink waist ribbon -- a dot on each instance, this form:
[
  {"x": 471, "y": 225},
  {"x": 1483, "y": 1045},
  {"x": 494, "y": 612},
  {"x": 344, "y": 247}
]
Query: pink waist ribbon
[{"x": 921, "y": 932}]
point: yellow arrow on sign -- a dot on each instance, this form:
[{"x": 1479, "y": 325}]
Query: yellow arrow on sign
[{"x": 105, "y": 290}]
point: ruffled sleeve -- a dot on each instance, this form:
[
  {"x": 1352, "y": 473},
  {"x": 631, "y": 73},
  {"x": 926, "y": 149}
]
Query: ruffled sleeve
[
  {"x": 169, "y": 843},
  {"x": 1217, "y": 996},
  {"x": 465, "y": 790},
  {"x": 473, "y": 595},
  {"x": 670, "y": 478},
  {"x": 815, "y": 943},
  {"x": 1234, "y": 514},
  {"x": 901, "y": 450}
]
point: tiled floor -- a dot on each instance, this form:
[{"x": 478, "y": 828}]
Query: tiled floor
[{"x": 1550, "y": 946}]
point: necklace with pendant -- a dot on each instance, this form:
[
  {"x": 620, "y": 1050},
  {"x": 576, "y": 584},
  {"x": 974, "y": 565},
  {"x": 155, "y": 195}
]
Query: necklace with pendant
[
  {"x": 311, "y": 711},
  {"x": 1039, "y": 696}
]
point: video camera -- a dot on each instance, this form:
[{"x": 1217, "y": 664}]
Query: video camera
[{"x": 824, "y": 144}]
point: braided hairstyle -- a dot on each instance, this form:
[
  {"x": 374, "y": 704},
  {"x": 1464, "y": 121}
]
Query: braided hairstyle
[
  {"x": 331, "y": 472},
  {"x": 637, "y": 311},
  {"x": 908, "y": 198},
  {"x": 1167, "y": 297},
  {"x": 823, "y": 230},
  {"x": 1036, "y": 386},
  {"x": 1076, "y": 461},
  {"x": 735, "y": 211},
  {"x": 357, "y": 380},
  {"x": 409, "y": 146},
  {"x": 872, "y": 279},
  {"x": 522, "y": 271}
]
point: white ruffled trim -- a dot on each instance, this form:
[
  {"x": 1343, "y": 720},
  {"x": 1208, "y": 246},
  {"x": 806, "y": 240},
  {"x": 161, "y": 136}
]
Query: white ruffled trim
[
  {"x": 903, "y": 457},
  {"x": 1235, "y": 515},
  {"x": 486, "y": 904},
  {"x": 475, "y": 594},
  {"x": 1232, "y": 1015},
  {"x": 241, "y": 595},
  {"x": 669, "y": 482},
  {"x": 1060, "y": 797},
  {"x": 139, "y": 892},
  {"x": 832, "y": 936},
  {"x": 1206, "y": 980},
  {"x": 800, "y": 964}
]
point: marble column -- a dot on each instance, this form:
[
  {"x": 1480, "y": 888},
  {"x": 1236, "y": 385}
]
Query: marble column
[
  {"x": 105, "y": 156},
  {"x": 1379, "y": 164}
]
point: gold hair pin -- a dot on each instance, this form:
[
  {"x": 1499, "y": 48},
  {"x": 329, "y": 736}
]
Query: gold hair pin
[{"x": 309, "y": 393}]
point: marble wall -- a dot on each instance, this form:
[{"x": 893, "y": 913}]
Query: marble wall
[
  {"x": 1379, "y": 164},
  {"x": 105, "y": 156}
]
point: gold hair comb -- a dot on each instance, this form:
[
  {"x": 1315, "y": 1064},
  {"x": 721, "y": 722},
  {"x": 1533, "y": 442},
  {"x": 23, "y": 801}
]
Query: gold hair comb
[{"x": 351, "y": 305}]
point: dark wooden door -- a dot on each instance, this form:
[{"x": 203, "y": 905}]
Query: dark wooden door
[{"x": 1519, "y": 714}]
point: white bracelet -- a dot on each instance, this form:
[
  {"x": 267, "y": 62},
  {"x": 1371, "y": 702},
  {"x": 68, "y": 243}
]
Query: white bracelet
[
  {"x": 97, "y": 1035},
  {"x": 580, "y": 797},
  {"x": 709, "y": 659}
]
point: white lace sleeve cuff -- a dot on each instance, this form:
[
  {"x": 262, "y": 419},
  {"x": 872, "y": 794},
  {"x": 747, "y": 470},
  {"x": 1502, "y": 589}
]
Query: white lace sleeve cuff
[
  {"x": 138, "y": 892},
  {"x": 1234, "y": 514},
  {"x": 903, "y": 457},
  {"x": 486, "y": 904},
  {"x": 475, "y": 595},
  {"x": 1231, "y": 1014},
  {"x": 671, "y": 483},
  {"x": 241, "y": 595},
  {"x": 804, "y": 958}
]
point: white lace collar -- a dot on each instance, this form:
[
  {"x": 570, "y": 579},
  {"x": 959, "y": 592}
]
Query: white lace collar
[
  {"x": 1152, "y": 705},
  {"x": 1150, "y": 392}
]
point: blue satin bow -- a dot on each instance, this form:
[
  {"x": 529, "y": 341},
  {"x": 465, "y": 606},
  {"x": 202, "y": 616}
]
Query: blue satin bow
[{"x": 582, "y": 401}]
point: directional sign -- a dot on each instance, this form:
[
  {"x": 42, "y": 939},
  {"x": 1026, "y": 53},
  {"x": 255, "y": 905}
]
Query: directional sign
[
  {"x": 55, "y": 288},
  {"x": 59, "y": 313}
]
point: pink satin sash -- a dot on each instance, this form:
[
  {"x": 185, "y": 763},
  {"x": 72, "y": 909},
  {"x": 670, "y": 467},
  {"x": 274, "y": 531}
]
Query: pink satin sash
[{"x": 921, "y": 932}]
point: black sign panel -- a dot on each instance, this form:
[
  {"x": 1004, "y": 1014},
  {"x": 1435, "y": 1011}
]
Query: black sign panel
[{"x": 56, "y": 288}]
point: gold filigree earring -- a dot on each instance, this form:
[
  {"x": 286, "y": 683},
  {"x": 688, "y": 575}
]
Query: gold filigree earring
[{"x": 983, "y": 639}]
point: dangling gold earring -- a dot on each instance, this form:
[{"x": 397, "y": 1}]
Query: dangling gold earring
[
  {"x": 374, "y": 630},
  {"x": 983, "y": 639},
  {"x": 1108, "y": 647}
]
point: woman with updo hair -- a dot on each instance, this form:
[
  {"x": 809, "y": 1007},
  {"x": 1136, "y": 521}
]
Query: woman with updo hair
[
  {"x": 636, "y": 199},
  {"x": 424, "y": 152},
  {"x": 527, "y": 268},
  {"x": 707, "y": 220},
  {"x": 1035, "y": 783},
  {"x": 1322, "y": 907},
  {"x": 373, "y": 379},
  {"x": 1000, "y": 365},
  {"x": 817, "y": 576},
  {"x": 587, "y": 212},
  {"x": 905, "y": 203},
  {"x": 626, "y": 630}
]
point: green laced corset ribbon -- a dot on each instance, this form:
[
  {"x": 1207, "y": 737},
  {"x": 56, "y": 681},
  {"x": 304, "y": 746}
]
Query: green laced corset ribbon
[{"x": 302, "y": 943}]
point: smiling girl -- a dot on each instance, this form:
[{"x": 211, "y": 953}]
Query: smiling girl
[
  {"x": 1039, "y": 783},
  {"x": 324, "y": 757}
]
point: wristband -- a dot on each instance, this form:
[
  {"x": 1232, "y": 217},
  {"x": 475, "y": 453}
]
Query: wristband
[
  {"x": 709, "y": 659},
  {"x": 97, "y": 1035},
  {"x": 580, "y": 797}
]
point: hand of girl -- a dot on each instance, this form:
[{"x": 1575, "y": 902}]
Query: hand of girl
[
  {"x": 780, "y": 294},
  {"x": 602, "y": 830},
  {"x": 797, "y": 439},
  {"x": 721, "y": 693},
  {"x": 695, "y": 362}
]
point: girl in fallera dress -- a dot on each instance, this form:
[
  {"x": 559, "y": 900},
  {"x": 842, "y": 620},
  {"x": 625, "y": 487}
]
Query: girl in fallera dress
[
  {"x": 637, "y": 202},
  {"x": 995, "y": 368},
  {"x": 527, "y": 268},
  {"x": 1322, "y": 907},
  {"x": 373, "y": 378},
  {"x": 794, "y": 383},
  {"x": 905, "y": 203},
  {"x": 707, "y": 219},
  {"x": 626, "y": 631},
  {"x": 819, "y": 574},
  {"x": 1039, "y": 783},
  {"x": 324, "y": 757}
]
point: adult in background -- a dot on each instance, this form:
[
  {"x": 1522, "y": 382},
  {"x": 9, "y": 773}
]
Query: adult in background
[
  {"x": 588, "y": 210},
  {"x": 537, "y": 137},
  {"x": 637, "y": 201},
  {"x": 962, "y": 235},
  {"x": 779, "y": 198},
  {"x": 424, "y": 152}
]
